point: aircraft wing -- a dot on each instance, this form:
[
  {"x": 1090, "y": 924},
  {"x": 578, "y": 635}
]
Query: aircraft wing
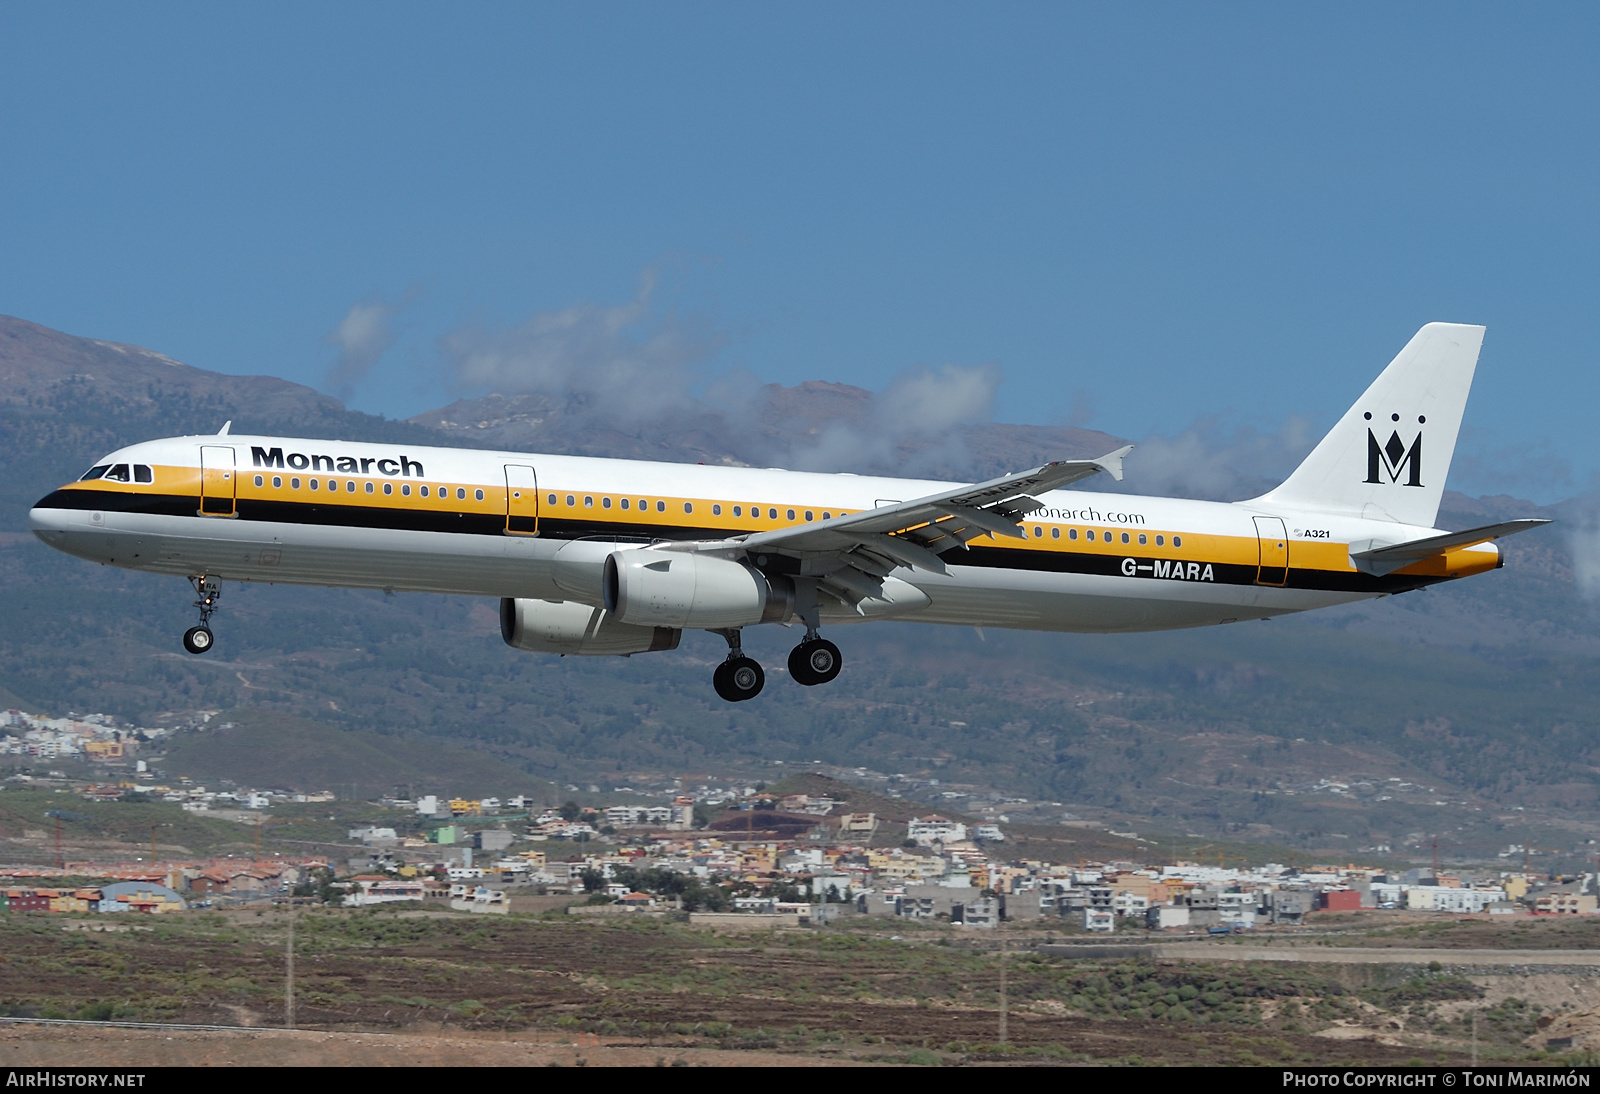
[
  {"x": 1386, "y": 560},
  {"x": 852, "y": 554}
]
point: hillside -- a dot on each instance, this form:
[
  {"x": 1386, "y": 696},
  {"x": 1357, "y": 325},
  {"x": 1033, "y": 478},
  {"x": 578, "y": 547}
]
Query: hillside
[
  {"x": 275, "y": 750},
  {"x": 1480, "y": 696},
  {"x": 66, "y": 400}
]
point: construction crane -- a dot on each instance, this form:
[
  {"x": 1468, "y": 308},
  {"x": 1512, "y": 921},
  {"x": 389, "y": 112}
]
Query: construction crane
[
  {"x": 152, "y": 829},
  {"x": 262, "y": 822},
  {"x": 61, "y": 815}
]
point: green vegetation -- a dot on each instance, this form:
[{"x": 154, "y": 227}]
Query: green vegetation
[
  {"x": 127, "y": 822},
  {"x": 856, "y": 992}
]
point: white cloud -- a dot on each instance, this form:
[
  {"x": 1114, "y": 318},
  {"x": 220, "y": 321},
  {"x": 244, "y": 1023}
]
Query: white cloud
[
  {"x": 638, "y": 364},
  {"x": 1216, "y": 462},
  {"x": 361, "y": 337},
  {"x": 913, "y": 427}
]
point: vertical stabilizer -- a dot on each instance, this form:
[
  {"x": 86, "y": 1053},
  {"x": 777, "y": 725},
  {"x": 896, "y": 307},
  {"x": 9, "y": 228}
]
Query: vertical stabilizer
[{"x": 1388, "y": 457}]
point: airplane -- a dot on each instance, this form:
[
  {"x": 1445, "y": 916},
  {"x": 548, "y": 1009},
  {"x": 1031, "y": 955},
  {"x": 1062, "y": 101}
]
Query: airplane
[{"x": 619, "y": 557}]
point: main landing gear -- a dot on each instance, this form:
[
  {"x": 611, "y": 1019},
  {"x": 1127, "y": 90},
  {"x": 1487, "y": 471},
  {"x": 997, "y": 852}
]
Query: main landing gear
[
  {"x": 814, "y": 661},
  {"x": 200, "y": 639},
  {"x": 739, "y": 677}
]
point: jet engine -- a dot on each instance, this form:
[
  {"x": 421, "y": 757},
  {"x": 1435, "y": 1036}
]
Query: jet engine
[
  {"x": 560, "y": 626},
  {"x": 681, "y": 589}
]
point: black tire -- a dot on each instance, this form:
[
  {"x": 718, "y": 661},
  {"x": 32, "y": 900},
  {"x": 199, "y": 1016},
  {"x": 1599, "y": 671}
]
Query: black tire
[
  {"x": 739, "y": 679},
  {"x": 198, "y": 639},
  {"x": 815, "y": 662}
]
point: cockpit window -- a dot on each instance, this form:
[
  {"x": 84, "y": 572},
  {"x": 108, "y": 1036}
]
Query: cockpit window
[
  {"x": 95, "y": 472},
  {"x": 142, "y": 473},
  {"x": 118, "y": 473}
]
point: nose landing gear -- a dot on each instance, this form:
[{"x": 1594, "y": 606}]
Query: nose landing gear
[
  {"x": 739, "y": 677},
  {"x": 200, "y": 639}
]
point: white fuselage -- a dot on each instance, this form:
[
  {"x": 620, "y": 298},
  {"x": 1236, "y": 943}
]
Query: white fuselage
[{"x": 244, "y": 509}]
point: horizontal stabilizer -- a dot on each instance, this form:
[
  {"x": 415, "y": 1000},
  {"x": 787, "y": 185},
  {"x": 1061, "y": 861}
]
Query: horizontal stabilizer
[{"x": 1386, "y": 560}]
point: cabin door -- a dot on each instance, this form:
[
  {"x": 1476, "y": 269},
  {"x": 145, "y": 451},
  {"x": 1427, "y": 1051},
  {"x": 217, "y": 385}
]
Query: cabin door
[
  {"x": 522, "y": 500},
  {"x": 217, "y": 481},
  {"x": 1274, "y": 544}
]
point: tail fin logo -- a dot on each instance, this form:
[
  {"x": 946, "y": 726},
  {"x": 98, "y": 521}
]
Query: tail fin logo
[{"x": 1393, "y": 459}]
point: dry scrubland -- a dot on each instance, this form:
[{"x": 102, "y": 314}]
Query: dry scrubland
[{"x": 407, "y": 986}]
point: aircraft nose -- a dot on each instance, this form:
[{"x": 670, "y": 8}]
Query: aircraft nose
[
  {"x": 43, "y": 520},
  {"x": 49, "y": 515}
]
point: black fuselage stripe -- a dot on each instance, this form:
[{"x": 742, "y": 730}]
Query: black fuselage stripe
[{"x": 561, "y": 528}]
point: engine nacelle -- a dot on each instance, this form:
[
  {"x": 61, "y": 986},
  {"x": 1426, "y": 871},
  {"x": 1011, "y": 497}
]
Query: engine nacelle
[
  {"x": 681, "y": 589},
  {"x": 560, "y": 626}
]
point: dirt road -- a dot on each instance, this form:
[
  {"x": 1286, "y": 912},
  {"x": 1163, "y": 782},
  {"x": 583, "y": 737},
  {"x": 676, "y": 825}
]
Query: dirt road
[{"x": 84, "y": 1046}]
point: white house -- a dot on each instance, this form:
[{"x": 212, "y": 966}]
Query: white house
[{"x": 935, "y": 829}]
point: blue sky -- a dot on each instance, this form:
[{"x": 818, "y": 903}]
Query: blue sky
[{"x": 1145, "y": 216}]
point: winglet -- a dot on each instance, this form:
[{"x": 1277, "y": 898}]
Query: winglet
[
  {"x": 227, "y": 425},
  {"x": 1112, "y": 461}
]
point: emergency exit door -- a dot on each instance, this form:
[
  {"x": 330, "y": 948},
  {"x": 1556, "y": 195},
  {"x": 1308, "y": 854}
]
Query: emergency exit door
[
  {"x": 1273, "y": 540},
  {"x": 522, "y": 500},
  {"x": 217, "y": 481}
]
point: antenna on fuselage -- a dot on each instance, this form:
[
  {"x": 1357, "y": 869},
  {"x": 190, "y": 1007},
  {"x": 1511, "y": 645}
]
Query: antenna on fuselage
[{"x": 227, "y": 425}]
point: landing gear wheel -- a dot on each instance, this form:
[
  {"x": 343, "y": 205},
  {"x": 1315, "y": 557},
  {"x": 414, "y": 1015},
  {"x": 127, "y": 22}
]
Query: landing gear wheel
[
  {"x": 200, "y": 639},
  {"x": 814, "y": 662},
  {"x": 738, "y": 679}
]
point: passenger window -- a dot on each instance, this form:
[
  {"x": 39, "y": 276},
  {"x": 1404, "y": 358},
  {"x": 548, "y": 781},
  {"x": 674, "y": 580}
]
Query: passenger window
[
  {"x": 480, "y": 497},
  {"x": 588, "y": 502},
  {"x": 809, "y": 516},
  {"x": 95, "y": 472},
  {"x": 1177, "y": 541},
  {"x": 605, "y": 503},
  {"x": 1124, "y": 537},
  {"x": 688, "y": 507},
  {"x": 643, "y": 505},
  {"x": 1055, "y": 533},
  {"x": 716, "y": 510},
  {"x": 315, "y": 484},
  {"x": 423, "y": 490},
  {"x": 661, "y": 507},
  {"x": 405, "y": 490},
  {"x": 773, "y": 513},
  {"x": 119, "y": 473},
  {"x": 463, "y": 493},
  {"x": 369, "y": 488},
  {"x": 738, "y": 510},
  {"x": 1072, "y": 533},
  {"x": 571, "y": 500},
  {"x": 624, "y": 503},
  {"x": 294, "y": 484},
  {"x": 1038, "y": 533},
  {"x": 388, "y": 488},
  {"x": 259, "y": 480},
  {"x": 142, "y": 473},
  {"x": 827, "y": 516},
  {"x": 791, "y": 514},
  {"x": 1142, "y": 540},
  {"x": 277, "y": 482},
  {"x": 350, "y": 486},
  {"x": 1161, "y": 541}
]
